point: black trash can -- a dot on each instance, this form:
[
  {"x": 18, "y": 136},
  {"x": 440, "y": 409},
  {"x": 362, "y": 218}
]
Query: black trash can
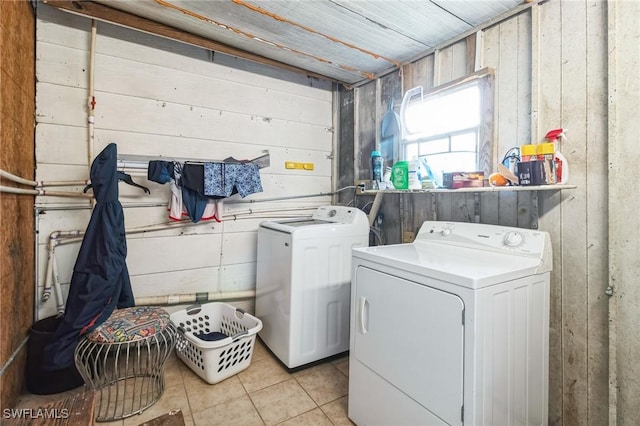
[{"x": 39, "y": 381}]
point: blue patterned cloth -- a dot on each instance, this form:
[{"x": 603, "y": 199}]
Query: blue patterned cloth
[{"x": 221, "y": 178}]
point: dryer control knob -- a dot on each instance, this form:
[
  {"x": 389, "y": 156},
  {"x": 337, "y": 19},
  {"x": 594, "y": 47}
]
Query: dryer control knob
[
  {"x": 513, "y": 239},
  {"x": 445, "y": 232}
]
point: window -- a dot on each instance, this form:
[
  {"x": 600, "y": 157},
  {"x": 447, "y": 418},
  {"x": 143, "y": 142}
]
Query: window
[{"x": 450, "y": 126}]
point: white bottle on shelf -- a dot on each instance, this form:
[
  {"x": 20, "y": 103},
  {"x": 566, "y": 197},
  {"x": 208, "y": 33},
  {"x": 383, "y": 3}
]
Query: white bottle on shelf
[{"x": 414, "y": 178}]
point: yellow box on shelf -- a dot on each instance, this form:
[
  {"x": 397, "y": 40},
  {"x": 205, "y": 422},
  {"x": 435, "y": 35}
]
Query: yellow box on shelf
[{"x": 299, "y": 166}]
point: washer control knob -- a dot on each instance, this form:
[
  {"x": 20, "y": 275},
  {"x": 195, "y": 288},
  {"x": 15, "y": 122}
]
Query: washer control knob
[
  {"x": 513, "y": 239},
  {"x": 446, "y": 232},
  {"x": 332, "y": 213}
]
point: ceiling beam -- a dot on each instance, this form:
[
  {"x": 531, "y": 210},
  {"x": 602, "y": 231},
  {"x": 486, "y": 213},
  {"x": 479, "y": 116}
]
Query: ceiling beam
[{"x": 114, "y": 16}]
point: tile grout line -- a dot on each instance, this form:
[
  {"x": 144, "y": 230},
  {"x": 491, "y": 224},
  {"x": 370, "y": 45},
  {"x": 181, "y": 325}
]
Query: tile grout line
[
  {"x": 314, "y": 401},
  {"x": 184, "y": 385},
  {"x": 250, "y": 399}
]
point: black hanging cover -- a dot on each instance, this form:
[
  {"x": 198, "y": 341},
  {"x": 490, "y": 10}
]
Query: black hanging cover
[{"x": 100, "y": 280}]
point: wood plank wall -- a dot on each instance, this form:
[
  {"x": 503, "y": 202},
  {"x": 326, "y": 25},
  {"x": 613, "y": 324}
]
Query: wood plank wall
[
  {"x": 623, "y": 208},
  {"x": 551, "y": 72},
  {"x": 158, "y": 97},
  {"x": 551, "y": 65},
  {"x": 17, "y": 35}
]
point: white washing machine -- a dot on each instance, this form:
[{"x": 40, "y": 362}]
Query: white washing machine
[
  {"x": 451, "y": 329},
  {"x": 303, "y": 283}
]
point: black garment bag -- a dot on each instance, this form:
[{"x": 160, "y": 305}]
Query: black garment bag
[{"x": 100, "y": 280}]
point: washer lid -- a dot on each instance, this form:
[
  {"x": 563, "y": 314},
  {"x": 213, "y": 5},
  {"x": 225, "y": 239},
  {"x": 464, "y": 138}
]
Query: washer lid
[
  {"x": 296, "y": 223},
  {"x": 332, "y": 218},
  {"x": 467, "y": 267},
  {"x": 304, "y": 225}
]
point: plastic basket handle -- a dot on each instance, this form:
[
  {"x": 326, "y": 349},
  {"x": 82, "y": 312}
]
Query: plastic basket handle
[
  {"x": 185, "y": 332},
  {"x": 193, "y": 309},
  {"x": 239, "y": 335},
  {"x": 188, "y": 335}
]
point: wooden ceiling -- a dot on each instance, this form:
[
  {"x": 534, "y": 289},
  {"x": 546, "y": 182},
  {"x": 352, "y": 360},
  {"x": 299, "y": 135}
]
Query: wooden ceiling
[{"x": 349, "y": 41}]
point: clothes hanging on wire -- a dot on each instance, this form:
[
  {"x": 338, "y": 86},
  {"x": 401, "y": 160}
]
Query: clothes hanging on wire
[
  {"x": 197, "y": 189},
  {"x": 160, "y": 171},
  {"x": 199, "y": 208},
  {"x": 196, "y": 204},
  {"x": 193, "y": 177},
  {"x": 213, "y": 209},
  {"x": 176, "y": 208},
  {"x": 223, "y": 180}
]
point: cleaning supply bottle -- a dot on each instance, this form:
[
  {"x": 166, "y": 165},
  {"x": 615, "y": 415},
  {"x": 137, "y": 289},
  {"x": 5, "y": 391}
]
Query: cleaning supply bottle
[
  {"x": 377, "y": 169},
  {"x": 562, "y": 168},
  {"x": 414, "y": 175},
  {"x": 511, "y": 158},
  {"x": 560, "y": 162},
  {"x": 400, "y": 175},
  {"x": 386, "y": 178},
  {"x": 427, "y": 179}
]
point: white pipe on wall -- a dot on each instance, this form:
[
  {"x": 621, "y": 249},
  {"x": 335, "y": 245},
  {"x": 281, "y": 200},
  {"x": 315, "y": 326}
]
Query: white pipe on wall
[
  {"x": 66, "y": 234},
  {"x": 293, "y": 197},
  {"x": 91, "y": 100},
  {"x": 42, "y": 183},
  {"x": 51, "y": 277},
  {"x": 17, "y": 179},
  {"x": 43, "y": 192},
  {"x": 60, "y": 302},
  {"x": 39, "y": 184},
  {"x": 52, "y": 281},
  {"x": 179, "y": 299},
  {"x": 56, "y": 238},
  {"x": 48, "y": 275},
  {"x": 13, "y": 190}
]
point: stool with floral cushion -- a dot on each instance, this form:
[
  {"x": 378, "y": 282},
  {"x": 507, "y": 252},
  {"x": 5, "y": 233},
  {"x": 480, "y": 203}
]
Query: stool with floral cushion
[{"x": 123, "y": 359}]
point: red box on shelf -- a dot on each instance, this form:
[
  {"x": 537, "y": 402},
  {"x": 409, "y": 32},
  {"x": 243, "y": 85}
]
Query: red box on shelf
[{"x": 455, "y": 180}]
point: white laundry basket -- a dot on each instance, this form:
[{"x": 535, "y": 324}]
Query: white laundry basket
[{"x": 216, "y": 360}]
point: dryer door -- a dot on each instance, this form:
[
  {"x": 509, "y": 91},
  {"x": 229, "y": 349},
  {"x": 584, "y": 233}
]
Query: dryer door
[{"x": 411, "y": 335}]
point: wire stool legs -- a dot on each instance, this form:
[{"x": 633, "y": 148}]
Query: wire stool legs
[{"x": 128, "y": 377}]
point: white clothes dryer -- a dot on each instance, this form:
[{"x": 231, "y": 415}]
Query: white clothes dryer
[
  {"x": 303, "y": 283},
  {"x": 451, "y": 329}
]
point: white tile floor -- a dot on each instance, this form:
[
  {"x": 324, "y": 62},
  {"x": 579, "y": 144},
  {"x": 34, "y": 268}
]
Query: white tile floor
[{"x": 263, "y": 394}]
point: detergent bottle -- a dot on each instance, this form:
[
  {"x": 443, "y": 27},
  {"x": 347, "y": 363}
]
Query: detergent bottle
[
  {"x": 560, "y": 162},
  {"x": 400, "y": 175},
  {"x": 377, "y": 169}
]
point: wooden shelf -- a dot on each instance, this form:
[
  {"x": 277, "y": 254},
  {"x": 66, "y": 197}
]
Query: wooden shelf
[
  {"x": 461, "y": 190},
  {"x": 380, "y": 193}
]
